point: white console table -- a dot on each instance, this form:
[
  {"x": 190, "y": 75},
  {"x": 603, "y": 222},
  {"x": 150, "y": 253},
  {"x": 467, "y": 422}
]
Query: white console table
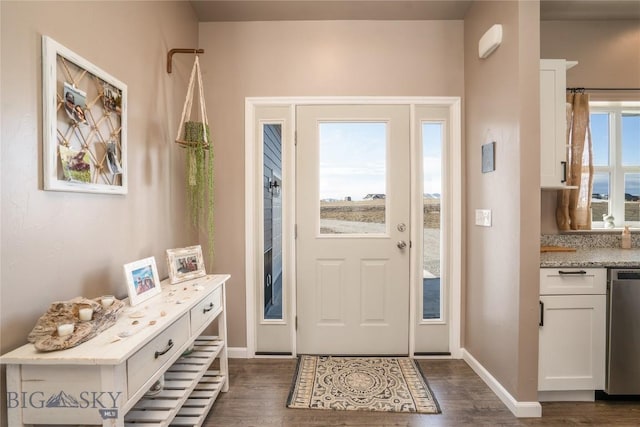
[{"x": 104, "y": 380}]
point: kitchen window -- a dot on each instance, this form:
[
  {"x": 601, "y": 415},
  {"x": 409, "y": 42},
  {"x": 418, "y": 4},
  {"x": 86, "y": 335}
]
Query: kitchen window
[{"x": 615, "y": 134}]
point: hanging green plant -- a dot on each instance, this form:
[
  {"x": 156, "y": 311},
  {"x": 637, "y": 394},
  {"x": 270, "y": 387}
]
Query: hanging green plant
[
  {"x": 199, "y": 170},
  {"x": 195, "y": 137}
]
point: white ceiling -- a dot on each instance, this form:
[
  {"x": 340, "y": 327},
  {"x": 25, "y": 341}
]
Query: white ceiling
[{"x": 282, "y": 10}]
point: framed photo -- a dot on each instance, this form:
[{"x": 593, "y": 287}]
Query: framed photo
[
  {"x": 142, "y": 280},
  {"x": 84, "y": 124},
  {"x": 185, "y": 263}
]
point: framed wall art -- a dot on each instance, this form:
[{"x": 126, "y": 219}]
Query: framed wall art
[
  {"x": 185, "y": 263},
  {"x": 488, "y": 157},
  {"x": 142, "y": 280},
  {"x": 84, "y": 124}
]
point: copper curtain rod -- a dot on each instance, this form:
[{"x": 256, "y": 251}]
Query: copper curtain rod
[
  {"x": 172, "y": 51},
  {"x": 583, "y": 89}
]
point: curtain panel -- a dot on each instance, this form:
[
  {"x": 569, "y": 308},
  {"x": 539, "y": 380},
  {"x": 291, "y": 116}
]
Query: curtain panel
[{"x": 574, "y": 206}]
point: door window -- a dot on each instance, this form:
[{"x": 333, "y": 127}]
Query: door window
[
  {"x": 431, "y": 220},
  {"x": 272, "y": 173},
  {"x": 353, "y": 177}
]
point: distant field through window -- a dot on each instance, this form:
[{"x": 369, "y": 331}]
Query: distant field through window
[
  {"x": 353, "y": 177},
  {"x": 432, "y": 230}
]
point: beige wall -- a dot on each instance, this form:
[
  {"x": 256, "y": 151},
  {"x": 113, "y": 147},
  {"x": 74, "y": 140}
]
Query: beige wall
[
  {"x": 608, "y": 55},
  {"x": 608, "y": 52},
  {"x": 307, "y": 58},
  {"x": 502, "y": 261},
  {"x": 56, "y": 245}
]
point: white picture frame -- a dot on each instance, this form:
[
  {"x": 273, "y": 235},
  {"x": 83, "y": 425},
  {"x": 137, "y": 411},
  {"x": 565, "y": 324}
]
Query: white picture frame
[
  {"x": 142, "y": 280},
  {"x": 86, "y": 134},
  {"x": 185, "y": 264}
]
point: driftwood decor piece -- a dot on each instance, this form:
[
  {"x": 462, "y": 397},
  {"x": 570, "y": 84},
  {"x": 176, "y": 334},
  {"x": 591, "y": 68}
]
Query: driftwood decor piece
[{"x": 44, "y": 335}]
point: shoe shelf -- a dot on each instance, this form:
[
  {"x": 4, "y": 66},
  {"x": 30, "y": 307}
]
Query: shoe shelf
[{"x": 190, "y": 389}]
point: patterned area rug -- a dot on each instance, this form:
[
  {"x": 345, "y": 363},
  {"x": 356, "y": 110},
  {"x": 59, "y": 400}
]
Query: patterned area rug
[{"x": 389, "y": 384}]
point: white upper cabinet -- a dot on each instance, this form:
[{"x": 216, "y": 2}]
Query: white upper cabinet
[{"x": 553, "y": 122}]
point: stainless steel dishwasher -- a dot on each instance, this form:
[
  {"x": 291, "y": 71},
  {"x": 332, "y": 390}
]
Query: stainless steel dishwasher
[{"x": 623, "y": 352}]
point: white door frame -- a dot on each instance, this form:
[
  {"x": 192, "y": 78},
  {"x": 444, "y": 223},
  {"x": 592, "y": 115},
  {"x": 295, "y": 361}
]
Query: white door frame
[{"x": 253, "y": 214}]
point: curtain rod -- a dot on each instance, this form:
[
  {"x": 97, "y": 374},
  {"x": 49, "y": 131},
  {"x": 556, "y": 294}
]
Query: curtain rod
[{"x": 582, "y": 89}]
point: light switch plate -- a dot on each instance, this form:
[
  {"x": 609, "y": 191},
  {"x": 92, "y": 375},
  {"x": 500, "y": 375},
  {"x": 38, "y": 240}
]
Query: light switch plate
[{"x": 483, "y": 217}]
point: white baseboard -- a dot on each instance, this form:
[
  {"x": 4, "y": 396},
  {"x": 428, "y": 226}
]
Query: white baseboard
[
  {"x": 237, "y": 352},
  {"x": 567, "y": 396},
  {"x": 519, "y": 409}
]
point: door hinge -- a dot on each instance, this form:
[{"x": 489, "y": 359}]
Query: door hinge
[
  {"x": 295, "y": 231},
  {"x": 410, "y": 244},
  {"x": 296, "y": 323},
  {"x": 295, "y": 138}
]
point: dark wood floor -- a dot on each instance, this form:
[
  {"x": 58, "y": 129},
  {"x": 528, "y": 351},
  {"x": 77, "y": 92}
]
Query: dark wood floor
[{"x": 259, "y": 388}]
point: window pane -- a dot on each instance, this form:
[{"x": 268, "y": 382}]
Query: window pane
[
  {"x": 272, "y": 179},
  {"x": 600, "y": 196},
  {"x": 353, "y": 177},
  {"x": 632, "y": 196},
  {"x": 432, "y": 192},
  {"x": 600, "y": 138},
  {"x": 630, "y": 139}
]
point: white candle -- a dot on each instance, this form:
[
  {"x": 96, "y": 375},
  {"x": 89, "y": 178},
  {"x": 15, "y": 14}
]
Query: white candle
[
  {"x": 65, "y": 329},
  {"x": 107, "y": 300},
  {"x": 85, "y": 314}
]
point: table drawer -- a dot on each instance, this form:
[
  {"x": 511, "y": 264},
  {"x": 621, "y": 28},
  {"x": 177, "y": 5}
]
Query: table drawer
[
  {"x": 573, "y": 281},
  {"x": 150, "y": 358},
  {"x": 206, "y": 310}
]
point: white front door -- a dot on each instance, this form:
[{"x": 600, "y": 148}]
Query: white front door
[{"x": 353, "y": 218}]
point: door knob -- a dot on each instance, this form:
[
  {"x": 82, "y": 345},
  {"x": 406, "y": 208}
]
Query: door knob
[
  {"x": 402, "y": 227},
  {"x": 402, "y": 244}
]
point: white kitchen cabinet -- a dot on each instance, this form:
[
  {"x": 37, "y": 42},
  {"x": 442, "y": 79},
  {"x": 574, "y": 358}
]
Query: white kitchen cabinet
[
  {"x": 573, "y": 281},
  {"x": 553, "y": 122},
  {"x": 105, "y": 380},
  {"x": 572, "y": 332}
]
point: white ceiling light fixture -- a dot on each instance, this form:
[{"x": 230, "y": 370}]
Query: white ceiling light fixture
[{"x": 490, "y": 41}]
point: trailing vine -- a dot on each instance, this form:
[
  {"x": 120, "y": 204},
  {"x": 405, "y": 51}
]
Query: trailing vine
[{"x": 200, "y": 181}]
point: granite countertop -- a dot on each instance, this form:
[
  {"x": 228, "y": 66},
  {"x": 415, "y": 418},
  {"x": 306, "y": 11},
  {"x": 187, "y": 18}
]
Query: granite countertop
[
  {"x": 592, "y": 257},
  {"x": 596, "y": 250}
]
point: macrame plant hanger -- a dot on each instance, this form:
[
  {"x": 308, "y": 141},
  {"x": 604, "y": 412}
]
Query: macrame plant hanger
[
  {"x": 195, "y": 136},
  {"x": 192, "y": 133}
]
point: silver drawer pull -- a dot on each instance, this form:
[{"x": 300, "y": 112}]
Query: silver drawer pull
[
  {"x": 169, "y": 347},
  {"x": 206, "y": 310},
  {"x": 572, "y": 272}
]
